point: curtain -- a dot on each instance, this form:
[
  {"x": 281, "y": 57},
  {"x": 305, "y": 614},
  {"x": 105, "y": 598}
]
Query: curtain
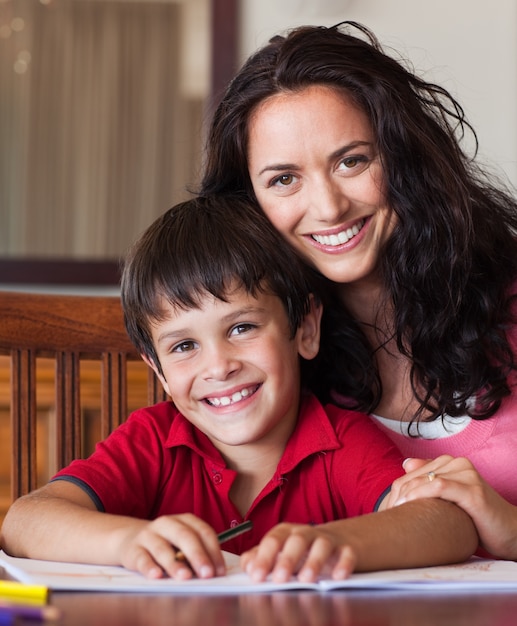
[{"x": 96, "y": 138}]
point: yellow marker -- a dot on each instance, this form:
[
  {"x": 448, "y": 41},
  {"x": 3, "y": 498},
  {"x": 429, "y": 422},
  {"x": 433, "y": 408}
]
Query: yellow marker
[{"x": 10, "y": 590}]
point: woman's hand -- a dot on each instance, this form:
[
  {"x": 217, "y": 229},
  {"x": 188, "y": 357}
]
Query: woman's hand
[
  {"x": 152, "y": 549},
  {"x": 455, "y": 479},
  {"x": 302, "y": 550}
]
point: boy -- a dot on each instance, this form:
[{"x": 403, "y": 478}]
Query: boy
[{"x": 220, "y": 307}]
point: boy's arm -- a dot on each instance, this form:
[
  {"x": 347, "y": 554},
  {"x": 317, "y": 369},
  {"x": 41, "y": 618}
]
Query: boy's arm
[
  {"x": 60, "y": 522},
  {"x": 421, "y": 533}
]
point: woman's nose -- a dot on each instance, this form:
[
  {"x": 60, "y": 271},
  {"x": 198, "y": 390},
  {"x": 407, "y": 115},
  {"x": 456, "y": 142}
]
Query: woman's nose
[{"x": 328, "y": 202}]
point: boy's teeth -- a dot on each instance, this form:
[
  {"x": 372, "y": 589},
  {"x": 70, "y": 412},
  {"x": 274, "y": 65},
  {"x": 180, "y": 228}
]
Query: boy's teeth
[
  {"x": 339, "y": 238},
  {"x": 227, "y": 400}
]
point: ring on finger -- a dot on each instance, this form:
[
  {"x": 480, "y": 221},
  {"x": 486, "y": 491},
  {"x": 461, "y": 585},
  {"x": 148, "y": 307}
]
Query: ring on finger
[{"x": 431, "y": 476}]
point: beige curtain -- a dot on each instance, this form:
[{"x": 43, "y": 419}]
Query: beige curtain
[{"x": 95, "y": 138}]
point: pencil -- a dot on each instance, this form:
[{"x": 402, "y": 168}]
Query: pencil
[
  {"x": 231, "y": 533},
  {"x": 14, "y": 590},
  {"x": 226, "y": 535}
]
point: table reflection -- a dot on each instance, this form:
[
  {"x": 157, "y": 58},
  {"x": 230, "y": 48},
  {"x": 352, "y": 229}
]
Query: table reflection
[{"x": 364, "y": 608}]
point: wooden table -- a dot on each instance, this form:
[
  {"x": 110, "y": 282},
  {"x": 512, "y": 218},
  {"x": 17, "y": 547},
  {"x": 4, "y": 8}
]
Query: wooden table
[{"x": 362, "y": 608}]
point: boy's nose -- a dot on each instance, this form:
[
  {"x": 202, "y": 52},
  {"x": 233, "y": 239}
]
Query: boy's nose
[{"x": 220, "y": 363}]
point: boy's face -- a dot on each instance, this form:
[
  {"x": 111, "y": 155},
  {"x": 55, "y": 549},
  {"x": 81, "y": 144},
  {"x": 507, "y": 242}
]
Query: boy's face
[{"x": 231, "y": 368}]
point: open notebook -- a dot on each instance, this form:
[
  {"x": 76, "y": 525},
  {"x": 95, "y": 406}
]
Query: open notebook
[{"x": 475, "y": 575}]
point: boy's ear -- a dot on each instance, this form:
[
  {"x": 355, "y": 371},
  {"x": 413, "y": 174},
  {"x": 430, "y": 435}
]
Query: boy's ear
[
  {"x": 308, "y": 335},
  {"x": 155, "y": 369}
]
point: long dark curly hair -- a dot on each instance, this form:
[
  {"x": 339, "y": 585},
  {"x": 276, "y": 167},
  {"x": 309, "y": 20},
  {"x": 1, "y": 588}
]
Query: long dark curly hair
[{"x": 450, "y": 264}]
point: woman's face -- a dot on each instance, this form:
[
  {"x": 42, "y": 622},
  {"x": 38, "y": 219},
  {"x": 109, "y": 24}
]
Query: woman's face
[{"x": 315, "y": 170}]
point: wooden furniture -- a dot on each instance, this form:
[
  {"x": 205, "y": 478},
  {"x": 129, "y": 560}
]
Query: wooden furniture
[
  {"x": 366, "y": 608},
  {"x": 64, "y": 335}
]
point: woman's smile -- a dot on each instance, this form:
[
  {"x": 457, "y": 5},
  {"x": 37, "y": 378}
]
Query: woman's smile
[{"x": 339, "y": 236}]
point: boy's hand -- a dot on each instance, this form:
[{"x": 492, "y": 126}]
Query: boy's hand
[
  {"x": 152, "y": 548},
  {"x": 302, "y": 550},
  {"x": 455, "y": 479}
]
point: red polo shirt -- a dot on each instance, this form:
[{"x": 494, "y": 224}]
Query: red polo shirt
[{"x": 336, "y": 464}]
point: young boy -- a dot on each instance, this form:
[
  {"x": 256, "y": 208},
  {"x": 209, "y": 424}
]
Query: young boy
[{"x": 221, "y": 308}]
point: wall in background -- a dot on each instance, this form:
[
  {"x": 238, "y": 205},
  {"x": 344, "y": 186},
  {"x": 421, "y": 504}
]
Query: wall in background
[{"x": 468, "y": 46}]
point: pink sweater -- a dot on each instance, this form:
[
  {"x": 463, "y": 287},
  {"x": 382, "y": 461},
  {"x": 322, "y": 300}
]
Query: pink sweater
[{"x": 491, "y": 445}]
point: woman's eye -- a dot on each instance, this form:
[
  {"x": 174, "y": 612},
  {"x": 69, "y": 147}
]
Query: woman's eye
[
  {"x": 352, "y": 162},
  {"x": 284, "y": 180},
  {"x": 184, "y": 346}
]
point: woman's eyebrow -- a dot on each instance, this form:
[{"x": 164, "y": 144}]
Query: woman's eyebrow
[
  {"x": 348, "y": 147},
  {"x": 280, "y": 167}
]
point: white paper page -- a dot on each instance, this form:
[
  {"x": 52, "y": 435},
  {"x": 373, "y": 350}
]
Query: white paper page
[
  {"x": 476, "y": 574},
  {"x": 82, "y": 577}
]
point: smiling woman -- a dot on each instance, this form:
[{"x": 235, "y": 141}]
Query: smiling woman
[{"x": 360, "y": 163}]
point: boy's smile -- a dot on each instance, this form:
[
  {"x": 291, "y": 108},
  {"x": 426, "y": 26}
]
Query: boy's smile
[
  {"x": 235, "y": 397},
  {"x": 232, "y": 369}
]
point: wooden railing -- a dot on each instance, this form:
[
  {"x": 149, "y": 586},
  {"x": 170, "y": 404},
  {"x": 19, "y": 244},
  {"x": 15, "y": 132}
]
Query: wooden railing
[{"x": 137, "y": 388}]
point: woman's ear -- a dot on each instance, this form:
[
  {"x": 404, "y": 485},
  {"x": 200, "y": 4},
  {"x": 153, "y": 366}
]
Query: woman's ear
[
  {"x": 157, "y": 371},
  {"x": 308, "y": 334}
]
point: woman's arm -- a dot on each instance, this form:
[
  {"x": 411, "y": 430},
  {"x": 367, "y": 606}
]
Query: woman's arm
[
  {"x": 456, "y": 480},
  {"x": 421, "y": 533},
  {"x": 59, "y": 522}
]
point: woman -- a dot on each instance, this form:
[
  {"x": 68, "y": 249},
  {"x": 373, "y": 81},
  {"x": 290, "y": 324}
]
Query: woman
[{"x": 357, "y": 162}]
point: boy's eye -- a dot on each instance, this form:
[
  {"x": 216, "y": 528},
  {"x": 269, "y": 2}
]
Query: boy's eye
[
  {"x": 184, "y": 346},
  {"x": 242, "y": 328}
]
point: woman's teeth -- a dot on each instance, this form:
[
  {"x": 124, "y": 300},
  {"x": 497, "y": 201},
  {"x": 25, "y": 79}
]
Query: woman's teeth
[
  {"x": 235, "y": 397},
  {"x": 339, "y": 238}
]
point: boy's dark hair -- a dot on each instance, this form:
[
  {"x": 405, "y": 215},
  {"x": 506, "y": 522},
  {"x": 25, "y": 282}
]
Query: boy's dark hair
[{"x": 207, "y": 245}]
